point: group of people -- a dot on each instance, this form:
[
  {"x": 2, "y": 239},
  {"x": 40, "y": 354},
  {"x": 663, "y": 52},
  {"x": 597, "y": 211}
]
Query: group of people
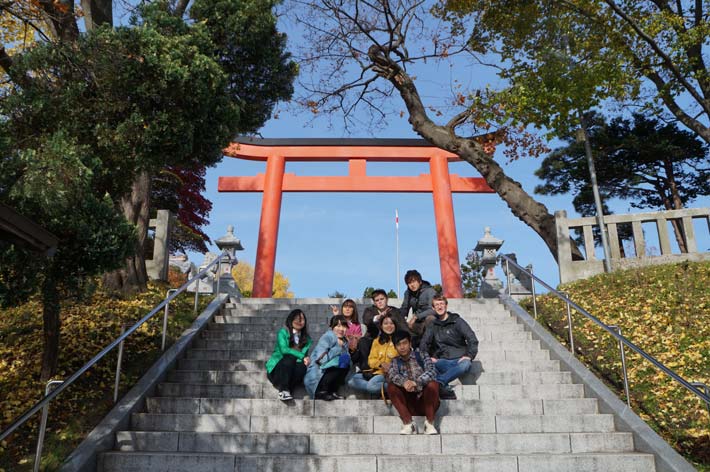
[{"x": 407, "y": 355}]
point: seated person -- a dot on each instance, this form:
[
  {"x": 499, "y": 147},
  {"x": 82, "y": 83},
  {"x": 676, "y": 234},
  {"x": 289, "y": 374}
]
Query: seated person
[
  {"x": 412, "y": 386},
  {"x": 418, "y": 298},
  {"x": 349, "y": 311},
  {"x": 452, "y": 345},
  {"x": 287, "y": 365},
  {"x": 371, "y": 379},
  {"x": 374, "y": 314},
  {"x": 330, "y": 362}
]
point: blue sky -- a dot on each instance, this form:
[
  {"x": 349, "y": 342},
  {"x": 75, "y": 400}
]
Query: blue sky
[{"x": 346, "y": 241}]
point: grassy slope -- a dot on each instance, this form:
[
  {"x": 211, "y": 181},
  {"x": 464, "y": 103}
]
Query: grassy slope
[
  {"x": 87, "y": 327},
  {"x": 665, "y": 310}
]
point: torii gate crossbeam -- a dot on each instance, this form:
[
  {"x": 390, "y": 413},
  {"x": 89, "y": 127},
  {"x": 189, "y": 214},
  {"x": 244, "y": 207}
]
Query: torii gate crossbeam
[{"x": 357, "y": 152}]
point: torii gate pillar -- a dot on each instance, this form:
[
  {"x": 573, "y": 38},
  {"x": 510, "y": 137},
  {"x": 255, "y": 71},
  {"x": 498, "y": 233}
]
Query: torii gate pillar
[
  {"x": 269, "y": 228},
  {"x": 357, "y": 152},
  {"x": 445, "y": 227}
]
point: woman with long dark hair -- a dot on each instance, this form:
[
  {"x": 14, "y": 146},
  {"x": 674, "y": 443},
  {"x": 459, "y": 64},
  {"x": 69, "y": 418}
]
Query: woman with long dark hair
[{"x": 287, "y": 365}]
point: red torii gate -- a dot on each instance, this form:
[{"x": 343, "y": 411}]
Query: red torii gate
[{"x": 276, "y": 152}]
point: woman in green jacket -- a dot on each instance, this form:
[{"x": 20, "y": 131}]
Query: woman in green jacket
[{"x": 287, "y": 365}]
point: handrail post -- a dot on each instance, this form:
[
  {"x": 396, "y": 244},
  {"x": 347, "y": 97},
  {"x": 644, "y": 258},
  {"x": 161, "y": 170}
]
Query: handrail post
[
  {"x": 706, "y": 390},
  {"x": 197, "y": 294},
  {"x": 118, "y": 366},
  {"x": 219, "y": 274},
  {"x": 43, "y": 425},
  {"x": 532, "y": 283},
  {"x": 507, "y": 275},
  {"x": 165, "y": 317},
  {"x": 569, "y": 324},
  {"x": 623, "y": 366}
]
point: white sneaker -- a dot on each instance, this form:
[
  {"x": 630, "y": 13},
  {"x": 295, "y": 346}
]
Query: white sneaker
[
  {"x": 410, "y": 428},
  {"x": 429, "y": 428},
  {"x": 285, "y": 395}
]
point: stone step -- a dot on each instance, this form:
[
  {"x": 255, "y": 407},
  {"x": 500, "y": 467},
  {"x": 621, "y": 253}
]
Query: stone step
[
  {"x": 375, "y": 443},
  {"x": 224, "y": 406},
  {"x": 184, "y": 462},
  {"x": 454, "y": 305},
  {"x": 487, "y": 346},
  {"x": 483, "y": 356},
  {"x": 477, "y": 366},
  {"x": 262, "y": 321},
  {"x": 371, "y": 424},
  {"x": 463, "y": 392},
  {"x": 250, "y": 343},
  {"x": 503, "y": 326}
]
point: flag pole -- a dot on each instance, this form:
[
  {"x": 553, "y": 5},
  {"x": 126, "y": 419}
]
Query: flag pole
[{"x": 396, "y": 226}]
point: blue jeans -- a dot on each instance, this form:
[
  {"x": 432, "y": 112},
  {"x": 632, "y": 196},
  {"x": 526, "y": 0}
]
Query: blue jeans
[
  {"x": 373, "y": 385},
  {"x": 450, "y": 369}
]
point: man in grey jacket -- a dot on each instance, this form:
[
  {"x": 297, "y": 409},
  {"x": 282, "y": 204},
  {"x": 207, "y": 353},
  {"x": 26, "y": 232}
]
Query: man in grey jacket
[
  {"x": 418, "y": 297},
  {"x": 452, "y": 345}
]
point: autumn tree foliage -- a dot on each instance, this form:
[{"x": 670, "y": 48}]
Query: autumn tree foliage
[
  {"x": 243, "y": 274},
  {"x": 561, "y": 58},
  {"x": 92, "y": 114},
  {"x": 360, "y": 55},
  {"x": 179, "y": 190}
]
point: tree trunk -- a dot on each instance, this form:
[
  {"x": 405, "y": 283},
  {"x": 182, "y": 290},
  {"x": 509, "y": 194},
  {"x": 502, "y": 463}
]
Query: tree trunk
[
  {"x": 677, "y": 205},
  {"x": 97, "y": 13},
  {"x": 523, "y": 206},
  {"x": 133, "y": 278},
  {"x": 51, "y": 327}
]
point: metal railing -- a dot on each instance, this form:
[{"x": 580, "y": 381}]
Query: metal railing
[
  {"x": 699, "y": 389},
  {"x": 60, "y": 386}
]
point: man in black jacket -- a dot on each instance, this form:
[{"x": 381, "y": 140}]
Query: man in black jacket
[
  {"x": 418, "y": 298},
  {"x": 452, "y": 345}
]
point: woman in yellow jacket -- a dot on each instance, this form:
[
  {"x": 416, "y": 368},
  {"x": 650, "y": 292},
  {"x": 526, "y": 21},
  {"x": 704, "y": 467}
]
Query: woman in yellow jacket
[{"x": 381, "y": 354}]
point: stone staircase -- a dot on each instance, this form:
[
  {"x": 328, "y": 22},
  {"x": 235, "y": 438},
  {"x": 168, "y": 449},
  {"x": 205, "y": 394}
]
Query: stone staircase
[{"x": 516, "y": 411}]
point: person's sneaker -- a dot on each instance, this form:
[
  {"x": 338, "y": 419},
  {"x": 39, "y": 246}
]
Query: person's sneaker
[
  {"x": 285, "y": 395},
  {"x": 336, "y": 396},
  {"x": 429, "y": 428},
  {"x": 410, "y": 428},
  {"x": 447, "y": 393}
]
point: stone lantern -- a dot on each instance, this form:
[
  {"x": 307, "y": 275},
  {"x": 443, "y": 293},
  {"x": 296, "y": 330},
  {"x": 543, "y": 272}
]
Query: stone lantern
[
  {"x": 488, "y": 247},
  {"x": 225, "y": 282}
]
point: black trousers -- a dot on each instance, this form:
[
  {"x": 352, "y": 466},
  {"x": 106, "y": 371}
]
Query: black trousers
[
  {"x": 332, "y": 379},
  {"x": 287, "y": 374}
]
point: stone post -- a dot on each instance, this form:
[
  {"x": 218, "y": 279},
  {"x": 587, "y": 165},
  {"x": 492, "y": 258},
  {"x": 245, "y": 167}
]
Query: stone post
[
  {"x": 157, "y": 267},
  {"x": 488, "y": 246}
]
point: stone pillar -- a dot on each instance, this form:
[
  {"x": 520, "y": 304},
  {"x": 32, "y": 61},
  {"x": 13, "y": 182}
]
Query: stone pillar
[
  {"x": 445, "y": 227},
  {"x": 157, "y": 268},
  {"x": 269, "y": 228},
  {"x": 564, "y": 248}
]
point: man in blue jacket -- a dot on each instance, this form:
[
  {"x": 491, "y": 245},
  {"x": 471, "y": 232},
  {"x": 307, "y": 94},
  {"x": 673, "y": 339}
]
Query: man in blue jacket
[{"x": 452, "y": 345}]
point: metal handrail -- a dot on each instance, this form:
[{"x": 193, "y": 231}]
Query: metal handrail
[
  {"x": 693, "y": 387},
  {"x": 65, "y": 384}
]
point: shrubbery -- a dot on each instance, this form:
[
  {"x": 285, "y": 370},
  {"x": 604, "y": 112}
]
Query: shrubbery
[{"x": 87, "y": 327}]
